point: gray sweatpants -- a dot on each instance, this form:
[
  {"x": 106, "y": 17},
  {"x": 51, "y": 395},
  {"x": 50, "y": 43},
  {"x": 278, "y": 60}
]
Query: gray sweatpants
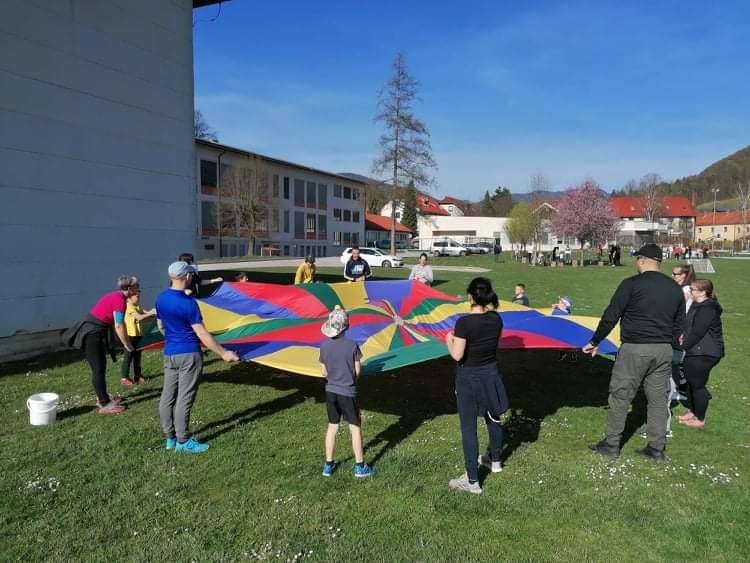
[
  {"x": 182, "y": 375},
  {"x": 650, "y": 364}
]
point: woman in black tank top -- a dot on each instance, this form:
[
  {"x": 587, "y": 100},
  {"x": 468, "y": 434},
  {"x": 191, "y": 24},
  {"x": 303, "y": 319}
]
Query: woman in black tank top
[{"x": 479, "y": 387}]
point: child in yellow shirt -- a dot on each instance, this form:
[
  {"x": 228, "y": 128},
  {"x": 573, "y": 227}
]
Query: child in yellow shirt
[{"x": 134, "y": 314}]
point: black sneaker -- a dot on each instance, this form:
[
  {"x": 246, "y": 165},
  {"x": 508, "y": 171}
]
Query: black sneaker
[
  {"x": 651, "y": 453},
  {"x": 603, "y": 448}
]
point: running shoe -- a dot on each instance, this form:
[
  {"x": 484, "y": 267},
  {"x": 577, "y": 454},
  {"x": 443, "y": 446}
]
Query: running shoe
[
  {"x": 191, "y": 446},
  {"x": 462, "y": 484},
  {"x": 328, "y": 469},
  {"x": 111, "y": 408},
  {"x": 363, "y": 470},
  {"x": 126, "y": 382},
  {"x": 693, "y": 423},
  {"x": 494, "y": 466},
  {"x": 687, "y": 416},
  {"x": 141, "y": 380},
  {"x": 170, "y": 443}
]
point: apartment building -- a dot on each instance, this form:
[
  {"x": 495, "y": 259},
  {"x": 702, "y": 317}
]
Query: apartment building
[{"x": 303, "y": 211}]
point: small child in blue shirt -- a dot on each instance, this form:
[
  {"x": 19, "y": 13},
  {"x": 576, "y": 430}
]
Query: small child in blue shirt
[
  {"x": 520, "y": 295},
  {"x": 340, "y": 365}
]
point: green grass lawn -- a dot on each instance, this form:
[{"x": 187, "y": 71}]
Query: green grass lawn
[{"x": 101, "y": 488}]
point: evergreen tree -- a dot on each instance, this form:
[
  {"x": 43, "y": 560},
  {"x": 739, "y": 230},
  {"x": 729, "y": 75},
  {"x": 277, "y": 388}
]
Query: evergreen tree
[
  {"x": 486, "y": 209},
  {"x": 409, "y": 216}
]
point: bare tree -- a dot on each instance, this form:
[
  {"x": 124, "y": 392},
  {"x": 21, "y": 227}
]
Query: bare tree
[
  {"x": 743, "y": 198},
  {"x": 406, "y": 152},
  {"x": 650, "y": 194},
  {"x": 243, "y": 200},
  {"x": 201, "y": 128}
]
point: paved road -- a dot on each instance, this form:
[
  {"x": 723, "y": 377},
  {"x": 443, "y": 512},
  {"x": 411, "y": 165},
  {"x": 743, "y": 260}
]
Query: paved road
[{"x": 325, "y": 262}]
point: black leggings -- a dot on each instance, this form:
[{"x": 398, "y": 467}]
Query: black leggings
[
  {"x": 697, "y": 370},
  {"x": 467, "y": 415},
  {"x": 94, "y": 348},
  {"x": 134, "y": 357}
]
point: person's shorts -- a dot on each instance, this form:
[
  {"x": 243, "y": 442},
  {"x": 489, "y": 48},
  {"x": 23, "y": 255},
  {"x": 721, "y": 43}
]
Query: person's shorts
[{"x": 339, "y": 406}]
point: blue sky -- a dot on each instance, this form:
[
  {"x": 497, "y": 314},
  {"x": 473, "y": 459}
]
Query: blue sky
[{"x": 604, "y": 89}]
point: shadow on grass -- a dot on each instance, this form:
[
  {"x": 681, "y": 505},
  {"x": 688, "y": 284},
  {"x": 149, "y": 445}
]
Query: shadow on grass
[
  {"x": 74, "y": 412},
  {"x": 538, "y": 386},
  {"x": 41, "y": 363}
]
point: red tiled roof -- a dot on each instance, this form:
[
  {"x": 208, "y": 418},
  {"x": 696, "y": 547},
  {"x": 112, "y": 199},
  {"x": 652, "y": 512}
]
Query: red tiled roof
[
  {"x": 380, "y": 223},
  {"x": 429, "y": 205},
  {"x": 670, "y": 206},
  {"x": 723, "y": 218}
]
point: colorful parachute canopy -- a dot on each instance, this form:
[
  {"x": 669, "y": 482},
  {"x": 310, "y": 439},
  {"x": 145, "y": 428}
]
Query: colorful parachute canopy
[{"x": 396, "y": 323}]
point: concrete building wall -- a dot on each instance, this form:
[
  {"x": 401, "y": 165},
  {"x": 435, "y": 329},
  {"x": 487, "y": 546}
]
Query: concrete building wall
[
  {"x": 96, "y": 149},
  {"x": 461, "y": 229}
]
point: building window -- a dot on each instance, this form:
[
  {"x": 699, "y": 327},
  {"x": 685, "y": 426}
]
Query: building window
[
  {"x": 725, "y": 229},
  {"x": 355, "y": 193},
  {"x": 347, "y": 192},
  {"x": 276, "y": 185},
  {"x": 322, "y": 196},
  {"x": 322, "y": 226},
  {"x": 700, "y": 229},
  {"x": 208, "y": 217},
  {"x": 337, "y": 214},
  {"x": 299, "y": 224},
  {"x": 347, "y": 214},
  {"x": 355, "y": 238},
  {"x": 712, "y": 229},
  {"x": 208, "y": 173},
  {"x": 286, "y": 250},
  {"x": 337, "y": 238},
  {"x": 398, "y": 215},
  {"x": 286, "y": 187},
  {"x": 286, "y": 222},
  {"x": 275, "y": 220},
  {"x": 336, "y": 190},
  {"x": 311, "y": 194},
  {"x": 299, "y": 193},
  {"x": 347, "y": 239},
  {"x": 310, "y": 224},
  {"x": 355, "y": 216}
]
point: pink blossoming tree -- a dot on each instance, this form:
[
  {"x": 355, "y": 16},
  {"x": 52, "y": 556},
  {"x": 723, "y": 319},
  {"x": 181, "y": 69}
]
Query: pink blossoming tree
[{"x": 584, "y": 212}]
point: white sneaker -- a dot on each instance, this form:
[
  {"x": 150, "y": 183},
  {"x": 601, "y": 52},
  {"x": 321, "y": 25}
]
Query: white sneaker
[
  {"x": 462, "y": 484},
  {"x": 494, "y": 466}
]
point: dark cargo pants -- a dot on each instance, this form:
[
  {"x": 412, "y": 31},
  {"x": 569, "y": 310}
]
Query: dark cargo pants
[{"x": 650, "y": 364}]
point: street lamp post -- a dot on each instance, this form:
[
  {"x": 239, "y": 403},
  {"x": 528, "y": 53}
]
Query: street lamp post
[{"x": 715, "y": 191}]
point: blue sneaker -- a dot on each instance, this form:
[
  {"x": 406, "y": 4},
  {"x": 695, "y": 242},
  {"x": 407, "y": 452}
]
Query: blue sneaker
[
  {"x": 192, "y": 446},
  {"x": 363, "y": 470},
  {"x": 170, "y": 443},
  {"x": 328, "y": 469}
]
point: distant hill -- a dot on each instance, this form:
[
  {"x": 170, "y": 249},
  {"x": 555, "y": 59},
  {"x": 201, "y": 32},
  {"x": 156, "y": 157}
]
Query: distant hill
[
  {"x": 724, "y": 174},
  {"x": 540, "y": 194}
]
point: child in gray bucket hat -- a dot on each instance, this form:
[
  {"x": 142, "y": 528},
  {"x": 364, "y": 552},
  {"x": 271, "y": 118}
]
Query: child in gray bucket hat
[{"x": 340, "y": 365}]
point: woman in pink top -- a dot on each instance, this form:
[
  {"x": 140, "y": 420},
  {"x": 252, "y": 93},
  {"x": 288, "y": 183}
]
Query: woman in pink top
[{"x": 108, "y": 313}]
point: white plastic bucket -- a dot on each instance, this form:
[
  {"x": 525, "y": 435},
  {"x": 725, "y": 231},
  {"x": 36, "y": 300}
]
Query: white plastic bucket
[{"x": 42, "y": 408}]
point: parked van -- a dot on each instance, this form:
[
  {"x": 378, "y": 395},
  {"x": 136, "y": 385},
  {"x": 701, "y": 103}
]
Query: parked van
[{"x": 447, "y": 247}]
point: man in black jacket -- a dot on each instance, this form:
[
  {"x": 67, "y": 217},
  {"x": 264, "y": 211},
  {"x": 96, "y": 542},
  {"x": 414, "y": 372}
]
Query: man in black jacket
[
  {"x": 357, "y": 268},
  {"x": 651, "y": 310}
]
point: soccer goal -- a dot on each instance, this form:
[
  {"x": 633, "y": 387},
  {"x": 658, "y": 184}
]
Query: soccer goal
[{"x": 702, "y": 265}]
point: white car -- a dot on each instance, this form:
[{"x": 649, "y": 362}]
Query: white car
[
  {"x": 374, "y": 257},
  {"x": 448, "y": 247}
]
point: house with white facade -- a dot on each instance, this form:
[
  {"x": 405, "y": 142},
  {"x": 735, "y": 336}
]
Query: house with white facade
[
  {"x": 426, "y": 205},
  {"x": 306, "y": 211}
]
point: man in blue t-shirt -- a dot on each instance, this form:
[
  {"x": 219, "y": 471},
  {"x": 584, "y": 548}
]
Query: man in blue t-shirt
[{"x": 180, "y": 321}]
